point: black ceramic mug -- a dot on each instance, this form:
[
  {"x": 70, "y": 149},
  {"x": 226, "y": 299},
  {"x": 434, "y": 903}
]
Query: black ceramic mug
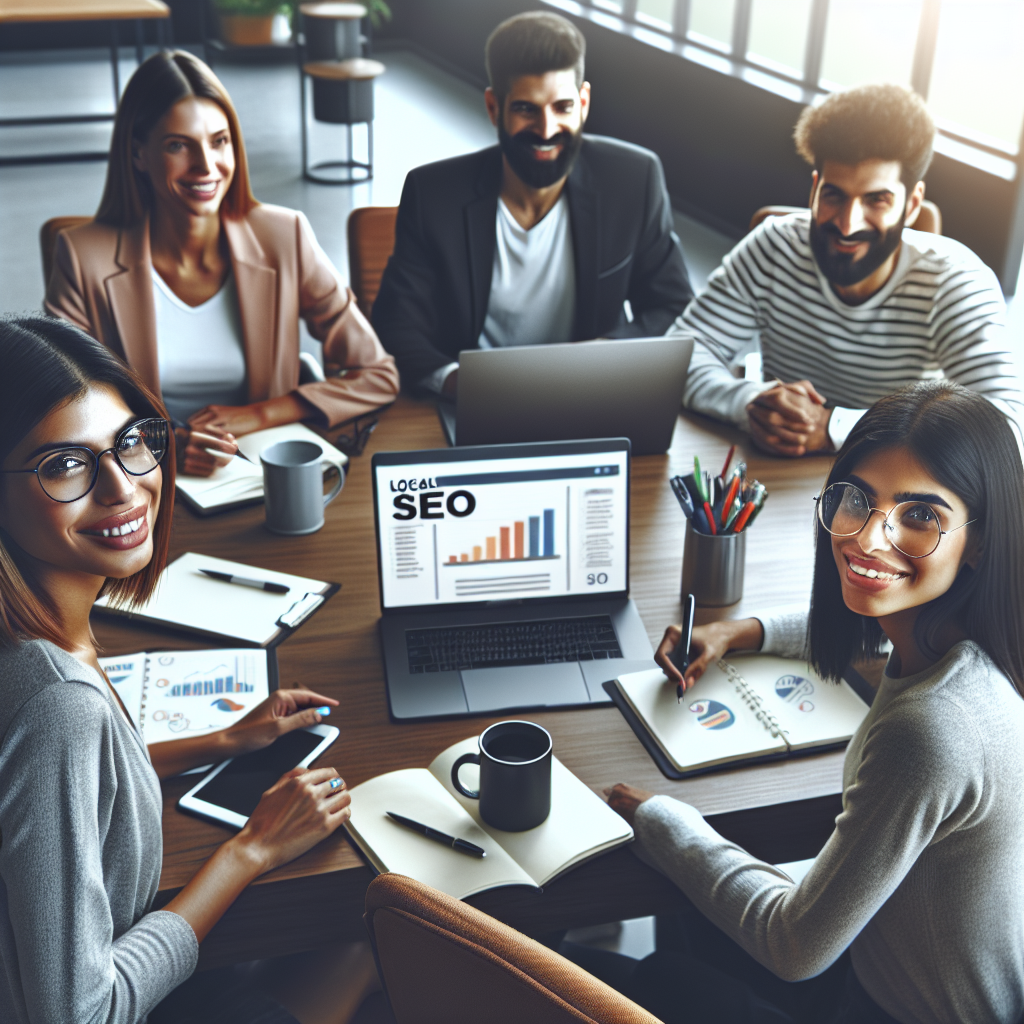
[{"x": 515, "y": 775}]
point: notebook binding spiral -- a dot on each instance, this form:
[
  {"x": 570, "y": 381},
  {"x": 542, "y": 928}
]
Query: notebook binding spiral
[
  {"x": 753, "y": 701},
  {"x": 145, "y": 690}
]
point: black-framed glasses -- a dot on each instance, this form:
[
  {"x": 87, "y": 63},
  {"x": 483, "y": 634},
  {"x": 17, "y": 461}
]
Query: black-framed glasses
[
  {"x": 68, "y": 474},
  {"x": 354, "y": 443},
  {"x": 912, "y": 527}
]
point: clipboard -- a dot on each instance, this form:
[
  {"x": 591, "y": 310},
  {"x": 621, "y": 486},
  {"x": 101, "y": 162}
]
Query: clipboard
[{"x": 186, "y": 600}]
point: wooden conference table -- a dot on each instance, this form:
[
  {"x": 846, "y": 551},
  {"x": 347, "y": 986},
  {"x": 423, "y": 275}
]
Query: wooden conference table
[{"x": 782, "y": 811}]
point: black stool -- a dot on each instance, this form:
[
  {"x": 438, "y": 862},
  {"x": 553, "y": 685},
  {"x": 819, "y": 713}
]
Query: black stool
[
  {"x": 342, "y": 83},
  {"x": 342, "y": 94}
]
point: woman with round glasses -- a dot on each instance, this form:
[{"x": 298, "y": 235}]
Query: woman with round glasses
[
  {"x": 914, "y": 909},
  {"x": 86, "y": 494},
  {"x": 199, "y": 287}
]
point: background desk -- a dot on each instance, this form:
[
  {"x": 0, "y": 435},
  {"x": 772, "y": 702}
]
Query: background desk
[{"x": 782, "y": 811}]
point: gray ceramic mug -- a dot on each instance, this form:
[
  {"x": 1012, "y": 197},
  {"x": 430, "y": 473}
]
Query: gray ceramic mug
[{"x": 293, "y": 487}]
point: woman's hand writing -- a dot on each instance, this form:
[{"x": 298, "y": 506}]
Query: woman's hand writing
[
  {"x": 197, "y": 448},
  {"x": 709, "y": 643},
  {"x": 304, "y": 806},
  {"x": 283, "y": 711}
]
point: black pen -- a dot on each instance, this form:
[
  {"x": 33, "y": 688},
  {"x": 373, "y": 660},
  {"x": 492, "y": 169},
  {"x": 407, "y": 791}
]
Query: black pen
[
  {"x": 682, "y": 495},
  {"x": 680, "y": 657},
  {"x": 439, "y": 837},
  {"x": 244, "y": 581}
]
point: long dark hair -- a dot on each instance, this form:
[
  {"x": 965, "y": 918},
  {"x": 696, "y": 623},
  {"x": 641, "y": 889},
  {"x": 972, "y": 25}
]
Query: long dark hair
[
  {"x": 48, "y": 362},
  {"x": 160, "y": 82},
  {"x": 967, "y": 445}
]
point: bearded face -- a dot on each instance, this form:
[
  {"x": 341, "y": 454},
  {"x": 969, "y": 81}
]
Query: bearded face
[
  {"x": 530, "y": 158},
  {"x": 847, "y": 268}
]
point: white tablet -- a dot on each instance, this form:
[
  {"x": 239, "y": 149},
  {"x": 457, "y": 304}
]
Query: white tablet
[{"x": 230, "y": 793}]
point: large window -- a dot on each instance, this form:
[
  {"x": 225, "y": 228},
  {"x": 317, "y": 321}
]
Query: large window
[{"x": 966, "y": 57}]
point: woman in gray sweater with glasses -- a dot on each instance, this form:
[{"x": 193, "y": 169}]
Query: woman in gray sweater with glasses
[
  {"x": 86, "y": 493},
  {"x": 914, "y": 910}
]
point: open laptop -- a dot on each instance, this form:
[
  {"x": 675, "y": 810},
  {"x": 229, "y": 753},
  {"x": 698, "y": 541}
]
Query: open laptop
[
  {"x": 504, "y": 577},
  {"x": 616, "y": 388}
]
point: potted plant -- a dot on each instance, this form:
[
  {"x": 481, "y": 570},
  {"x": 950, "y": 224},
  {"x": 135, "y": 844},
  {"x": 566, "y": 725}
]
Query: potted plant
[{"x": 249, "y": 22}]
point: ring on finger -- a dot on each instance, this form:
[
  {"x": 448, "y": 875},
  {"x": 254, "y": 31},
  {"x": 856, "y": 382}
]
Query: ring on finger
[{"x": 335, "y": 783}]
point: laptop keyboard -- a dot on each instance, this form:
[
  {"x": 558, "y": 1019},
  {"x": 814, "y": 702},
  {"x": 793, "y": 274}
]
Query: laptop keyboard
[{"x": 511, "y": 643}]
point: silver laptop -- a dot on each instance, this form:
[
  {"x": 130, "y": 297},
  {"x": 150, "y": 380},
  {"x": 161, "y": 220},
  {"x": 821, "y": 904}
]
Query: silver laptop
[
  {"x": 616, "y": 388},
  {"x": 504, "y": 577}
]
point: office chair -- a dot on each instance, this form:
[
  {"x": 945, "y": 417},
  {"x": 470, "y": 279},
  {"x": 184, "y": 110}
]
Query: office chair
[
  {"x": 443, "y": 962},
  {"x": 929, "y": 217},
  {"x": 48, "y": 240},
  {"x": 371, "y": 239}
]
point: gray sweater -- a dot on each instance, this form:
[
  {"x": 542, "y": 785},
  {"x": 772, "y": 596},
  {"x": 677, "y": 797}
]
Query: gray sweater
[
  {"x": 921, "y": 878},
  {"x": 80, "y": 853}
]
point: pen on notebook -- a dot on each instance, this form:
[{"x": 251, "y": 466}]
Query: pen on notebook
[
  {"x": 439, "y": 837},
  {"x": 680, "y": 657},
  {"x": 244, "y": 581}
]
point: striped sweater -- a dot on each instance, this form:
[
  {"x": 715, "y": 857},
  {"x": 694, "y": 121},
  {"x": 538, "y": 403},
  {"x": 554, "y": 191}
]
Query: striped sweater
[{"x": 941, "y": 313}]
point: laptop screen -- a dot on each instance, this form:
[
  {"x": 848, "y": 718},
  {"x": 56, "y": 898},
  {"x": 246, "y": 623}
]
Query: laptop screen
[{"x": 502, "y": 523}]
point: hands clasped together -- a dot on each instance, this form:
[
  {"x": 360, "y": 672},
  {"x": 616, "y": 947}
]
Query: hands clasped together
[{"x": 790, "y": 419}]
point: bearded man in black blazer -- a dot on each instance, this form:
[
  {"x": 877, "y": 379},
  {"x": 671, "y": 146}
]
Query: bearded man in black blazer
[{"x": 542, "y": 238}]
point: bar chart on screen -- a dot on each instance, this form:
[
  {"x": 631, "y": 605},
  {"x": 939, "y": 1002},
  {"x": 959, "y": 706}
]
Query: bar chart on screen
[{"x": 525, "y": 540}]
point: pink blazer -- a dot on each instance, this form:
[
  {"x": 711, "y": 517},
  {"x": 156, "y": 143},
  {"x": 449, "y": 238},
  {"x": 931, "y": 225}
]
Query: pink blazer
[{"x": 101, "y": 282}]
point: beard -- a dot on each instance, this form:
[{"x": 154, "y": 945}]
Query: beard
[
  {"x": 842, "y": 268},
  {"x": 534, "y": 173}
]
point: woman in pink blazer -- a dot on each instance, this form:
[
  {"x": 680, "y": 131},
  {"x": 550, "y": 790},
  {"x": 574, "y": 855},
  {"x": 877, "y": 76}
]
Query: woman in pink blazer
[{"x": 198, "y": 286}]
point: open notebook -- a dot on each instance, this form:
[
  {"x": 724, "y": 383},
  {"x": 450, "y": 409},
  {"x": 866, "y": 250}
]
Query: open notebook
[
  {"x": 752, "y": 708},
  {"x": 240, "y": 482},
  {"x": 581, "y": 825},
  {"x": 174, "y": 694},
  {"x": 186, "y": 599}
]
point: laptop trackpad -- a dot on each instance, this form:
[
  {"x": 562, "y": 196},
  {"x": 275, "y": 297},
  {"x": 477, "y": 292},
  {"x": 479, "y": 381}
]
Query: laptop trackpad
[{"x": 492, "y": 689}]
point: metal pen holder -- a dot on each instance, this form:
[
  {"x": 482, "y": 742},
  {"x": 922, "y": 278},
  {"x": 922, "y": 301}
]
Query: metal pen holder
[{"x": 713, "y": 567}]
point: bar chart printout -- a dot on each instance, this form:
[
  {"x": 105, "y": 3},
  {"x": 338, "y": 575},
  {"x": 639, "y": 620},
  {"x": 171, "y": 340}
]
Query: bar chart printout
[{"x": 525, "y": 540}]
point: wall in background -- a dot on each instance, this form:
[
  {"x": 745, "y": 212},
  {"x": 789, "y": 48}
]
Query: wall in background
[{"x": 725, "y": 143}]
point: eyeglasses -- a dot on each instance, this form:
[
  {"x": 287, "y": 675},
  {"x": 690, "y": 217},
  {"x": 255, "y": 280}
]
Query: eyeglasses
[
  {"x": 913, "y": 527},
  {"x": 354, "y": 443},
  {"x": 70, "y": 473}
]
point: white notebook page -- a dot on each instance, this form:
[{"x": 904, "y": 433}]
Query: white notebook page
[
  {"x": 415, "y": 793},
  {"x": 579, "y": 826},
  {"x": 713, "y": 723}
]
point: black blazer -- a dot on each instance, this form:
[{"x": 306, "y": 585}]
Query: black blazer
[{"x": 433, "y": 296}]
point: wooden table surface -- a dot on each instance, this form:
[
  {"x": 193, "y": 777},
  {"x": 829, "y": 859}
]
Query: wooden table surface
[
  {"x": 779, "y": 811},
  {"x": 81, "y": 10}
]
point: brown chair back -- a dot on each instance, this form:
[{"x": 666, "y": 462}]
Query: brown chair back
[
  {"x": 371, "y": 240},
  {"x": 929, "y": 216},
  {"x": 48, "y": 240},
  {"x": 444, "y": 962}
]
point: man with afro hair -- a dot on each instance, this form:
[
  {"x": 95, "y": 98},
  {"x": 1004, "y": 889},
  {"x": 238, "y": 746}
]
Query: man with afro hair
[{"x": 848, "y": 302}]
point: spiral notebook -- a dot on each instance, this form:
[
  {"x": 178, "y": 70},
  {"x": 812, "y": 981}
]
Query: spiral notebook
[
  {"x": 174, "y": 694},
  {"x": 749, "y": 709}
]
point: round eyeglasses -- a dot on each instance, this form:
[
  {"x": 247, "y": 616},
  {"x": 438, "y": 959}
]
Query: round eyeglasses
[
  {"x": 70, "y": 473},
  {"x": 912, "y": 527}
]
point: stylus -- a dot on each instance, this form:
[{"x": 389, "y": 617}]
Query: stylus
[
  {"x": 439, "y": 837},
  {"x": 244, "y": 581}
]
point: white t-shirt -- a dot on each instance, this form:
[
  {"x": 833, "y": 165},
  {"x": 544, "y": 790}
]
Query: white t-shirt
[
  {"x": 533, "y": 285},
  {"x": 200, "y": 354}
]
